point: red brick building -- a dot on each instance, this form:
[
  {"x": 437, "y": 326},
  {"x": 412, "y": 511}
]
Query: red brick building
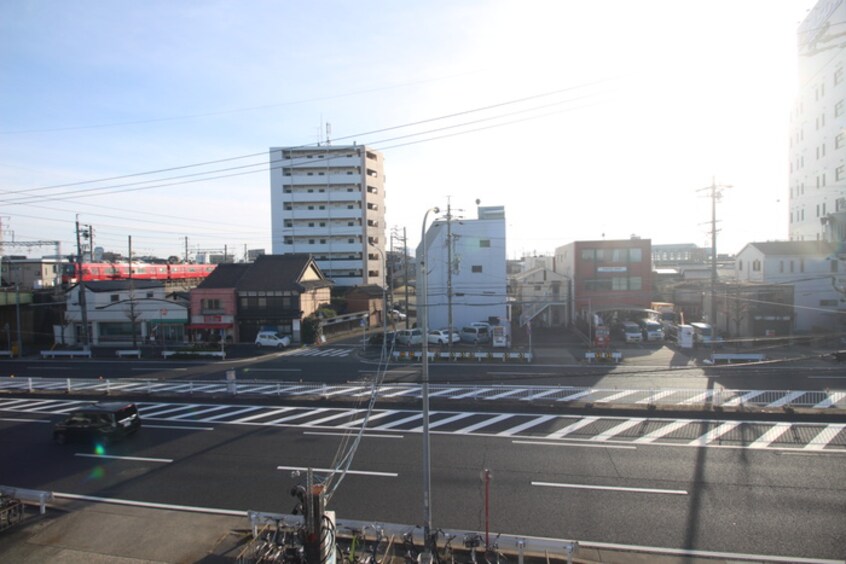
[{"x": 607, "y": 275}]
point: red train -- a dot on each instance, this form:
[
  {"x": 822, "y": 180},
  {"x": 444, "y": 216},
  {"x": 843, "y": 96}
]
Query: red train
[{"x": 140, "y": 271}]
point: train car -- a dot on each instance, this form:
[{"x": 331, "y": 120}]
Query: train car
[{"x": 92, "y": 271}]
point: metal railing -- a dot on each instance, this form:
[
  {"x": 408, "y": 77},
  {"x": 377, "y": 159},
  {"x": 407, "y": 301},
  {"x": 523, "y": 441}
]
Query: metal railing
[{"x": 561, "y": 395}]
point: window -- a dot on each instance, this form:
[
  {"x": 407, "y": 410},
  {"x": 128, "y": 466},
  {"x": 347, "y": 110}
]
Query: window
[
  {"x": 484, "y": 243},
  {"x": 476, "y": 268},
  {"x": 587, "y": 254},
  {"x": 636, "y": 255},
  {"x": 756, "y": 266},
  {"x": 828, "y": 303},
  {"x": 838, "y": 75},
  {"x": 834, "y": 265},
  {"x": 839, "y": 108},
  {"x": 114, "y": 298}
]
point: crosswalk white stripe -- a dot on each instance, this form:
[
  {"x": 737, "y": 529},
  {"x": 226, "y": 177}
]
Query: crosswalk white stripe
[
  {"x": 229, "y": 414},
  {"x": 506, "y": 394},
  {"x": 571, "y": 428},
  {"x": 171, "y": 409},
  {"x": 264, "y": 414},
  {"x": 59, "y": 404},
  {"x": 542, "y": 394},
  {"x": 656, "y": 397},
  {"x": 442, "y": 392},
  {"x": 616, "y": 396},
  {"x": 482, "y": 424},
  {"x": 824, "y": 437},
  {"x": 445, "y": 421},
  {"x": 470, "y": 394},
  {"x": 527, "y": 425},
  {"x": 343, "y": 413},
  {"x": 715, "y": 433},
  {"x": 774, "y": 433},
  {"x": 576, "y": 396},
  {"x": 833, "y": 398},
  {"x": 340, "y": 391},
  {"x": 200, "y": 412},
  {"x": 373, "y": 417},
  {"x": 27, "y": 405},
  {"x": 305, "y": 413},
  {"x": 398, "y": 422},
  {"x": 786, "y": 399},
  {"x": 610, "y": 433},
  {"x": 662, "y": 431},
  {"x": 698, "y": 398},
  {"x": 399, "y": 392},
  {"x": 739, "y": 400}
]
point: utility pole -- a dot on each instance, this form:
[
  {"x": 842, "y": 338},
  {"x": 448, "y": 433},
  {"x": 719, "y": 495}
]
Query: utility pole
[
  {"x": 81, "y": 285},
  {"x": 405, "y": 260},
  {"x": 132, "y": 300},
  {"x": 186, "y": 250},
  {"x": 449, "y": 276},
  {"x": 716, "y": 192}
]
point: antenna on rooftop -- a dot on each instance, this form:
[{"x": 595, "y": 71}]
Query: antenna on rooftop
[{"x": 328, "y": 133}]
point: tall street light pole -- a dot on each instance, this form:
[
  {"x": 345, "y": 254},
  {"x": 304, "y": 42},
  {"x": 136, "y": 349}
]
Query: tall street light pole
[{"x": 423, "y": 317}]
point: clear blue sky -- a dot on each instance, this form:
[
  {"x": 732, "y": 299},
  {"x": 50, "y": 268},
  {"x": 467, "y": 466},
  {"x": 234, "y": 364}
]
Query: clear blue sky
[{"x": 628, "y": 108}]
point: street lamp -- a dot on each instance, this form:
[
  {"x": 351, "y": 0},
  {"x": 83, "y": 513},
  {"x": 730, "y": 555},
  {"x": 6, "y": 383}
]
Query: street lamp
[{"x": 423, "y": 318}]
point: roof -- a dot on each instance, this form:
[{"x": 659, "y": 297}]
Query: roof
[
  {"x": 794, "y": 248},
  {"x": 225, "y": 275},
  {"x": 369, "y": 290},
  {"x": 120, "y": 285},
  {"x": 288, "y": 272}
]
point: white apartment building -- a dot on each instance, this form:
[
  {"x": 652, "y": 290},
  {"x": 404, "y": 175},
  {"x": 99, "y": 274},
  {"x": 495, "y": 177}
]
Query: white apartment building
[
  {"x": 818, "y": 128},
  {"x": 329, "y": 201},
  {"x": 476, "y": 288}
]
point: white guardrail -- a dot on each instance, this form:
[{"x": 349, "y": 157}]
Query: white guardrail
[{"x": 722, "y": 398}]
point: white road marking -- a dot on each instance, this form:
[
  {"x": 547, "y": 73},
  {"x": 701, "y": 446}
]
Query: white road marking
[
  {"x": 605, "y": 435},
  {"x": 824, "y": 437},
  {"x": 179, "y": 427},
  {"x": 615, "y": 397},
  {"x": 128, "y": 502},
  {"x": 610, "y": 488},
  {"x": 572, "y": 427},
  {"x": 229, "y": 414},
  {"x": 132, "y": 458},
  {"x": 585, "y": 444},
  {"x": 832, "y": 399},
  {"x": 715, "y": 433},
  {"x": 786, "y": 399},
  {"x": 264, "y": 414},
  {"x": 774, "y": 433},
  {"x": 12, "y": 420},
  {"x": 482, "y": 424},
  {"x": 661, "y": 432},
  {"x": 527, "y": 425},
  {"x": 356, "y": 472},
  {"x": 442, "y": 422},
  {"x": 347, "y": 434},
  {"x": 398, "y": 422}
]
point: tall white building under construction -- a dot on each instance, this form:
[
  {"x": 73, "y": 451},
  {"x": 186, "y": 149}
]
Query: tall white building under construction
[
  {"x": 329, "y": 201},
  {"x": 818, "y": 128}
]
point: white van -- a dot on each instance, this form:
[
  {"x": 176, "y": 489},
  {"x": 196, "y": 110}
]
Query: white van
[
  {"x": 652, "y": 330},
  {"x": 632, "y": 332},
  {"x": 476, "y": 334},
  {"x": 272, "y": 339}
]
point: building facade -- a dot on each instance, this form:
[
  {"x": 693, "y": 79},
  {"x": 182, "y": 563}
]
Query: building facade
[
  {"x": 607, "y": 275},
  {"x": 466, "y": 267},
  {"x": 818, "y": 129},
  {"x": 30, "y": 274},
  {"x": 818, "y": 278},
  {"x": 329, "y": 201}
]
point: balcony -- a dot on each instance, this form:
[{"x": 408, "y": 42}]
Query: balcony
[
  {"x": 321, "y": 179},
  {"x": 337, "y": 213},
  {"x": 330, "y": 195}
]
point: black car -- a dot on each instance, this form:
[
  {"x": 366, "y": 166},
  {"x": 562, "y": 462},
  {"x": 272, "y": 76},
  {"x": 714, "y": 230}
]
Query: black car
[
  {"x": 98, "y": 423},
  {"x": 377, "y": 337}
]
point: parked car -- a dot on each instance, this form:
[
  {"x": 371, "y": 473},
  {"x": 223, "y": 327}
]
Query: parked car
[
  {"x": 99, "y": 423},
  {"x": 442, "y": 337},
  {"x": 397, "y": 315},
  {"x": 632, "y": 332},
  {"x": 410, "y": 337},
  {"x": 272, "y": 339},
  {"x": 476, "y": 334},
  {"x": 651, "y": 330}
]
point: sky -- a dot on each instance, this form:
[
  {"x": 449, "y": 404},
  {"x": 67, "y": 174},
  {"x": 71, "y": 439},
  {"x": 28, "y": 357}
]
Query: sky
[{"x": 585, "y": 120}]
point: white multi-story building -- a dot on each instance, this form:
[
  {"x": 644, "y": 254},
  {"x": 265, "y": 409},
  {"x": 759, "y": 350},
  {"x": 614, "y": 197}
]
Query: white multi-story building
[
  {"x": 476, "y": 288},
  {"x": 329, "y": 201},
  {"x": 818, "y": 128}
]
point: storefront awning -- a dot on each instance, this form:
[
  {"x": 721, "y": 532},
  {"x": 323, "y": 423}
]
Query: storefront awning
[{"x": 210, "y": 326}]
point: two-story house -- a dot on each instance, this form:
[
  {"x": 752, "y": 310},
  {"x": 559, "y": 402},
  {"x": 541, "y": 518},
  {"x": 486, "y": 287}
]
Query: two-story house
[
  {"x": 812, "y": 268},
  {"x": 214, "y": 305},
  {"x": 123, "y": 312}
]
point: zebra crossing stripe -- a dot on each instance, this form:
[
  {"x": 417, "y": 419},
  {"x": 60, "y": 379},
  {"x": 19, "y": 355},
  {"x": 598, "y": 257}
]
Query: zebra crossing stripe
[
  {"x": 704, "y": 396},
  {"x": 832, "y": 399},
  {"x": 527, "y": 425},
  {"x": 572, "y": 428},
  {"x": 445, "y": 421},
  {"x": 615, "y": 397},
  {"x": 575, "y": 396},
  {"x": 774, "y": 433},
  {"x": 305, "y": 413},
  {"x": 824, "y": 437},
  {"x": 740, "y": 400},
  {"x": 264, "y": 414},
  {"x": 170, "y": 409},
  {"x": 714, "y": 434},
  {"x": 786, "y": 399},
  {"x": 200, "y": 412},
  {"x": 229, "y": 414},
  {"x": 656, "y": 397},
  {"x": 542, "y": 394},
  {"x": 506, "y": 394},
  {"x": 443, "y": 392},
  {"x": 610, "y": 433},
  {"x": 401, "y": 392},
  {"x": 343, "y": 413},
  {"x": 373, "y": 417},
  {"x": 73, "y": 405},
  {"x": 662, "y": 432},
  {"x": 398, "y": 422},
  {"x": 481, "y": 424}
]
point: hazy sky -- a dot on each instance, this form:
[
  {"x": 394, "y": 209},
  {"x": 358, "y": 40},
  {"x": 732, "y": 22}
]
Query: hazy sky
[{"x": 584, "y": 119}]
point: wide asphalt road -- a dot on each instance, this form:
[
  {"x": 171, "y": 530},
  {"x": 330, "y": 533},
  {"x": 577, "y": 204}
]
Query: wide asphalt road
[{"x": 756, "y": 492}]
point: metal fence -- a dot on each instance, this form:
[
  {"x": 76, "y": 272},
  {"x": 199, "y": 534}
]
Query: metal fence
[{"x": 532, "y": 394}]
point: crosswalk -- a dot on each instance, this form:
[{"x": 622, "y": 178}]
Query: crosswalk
[
  {"x": 799, "y": 436},
  {"x": 325, "y": 352},
  {"x": 819, "y": 399}
]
